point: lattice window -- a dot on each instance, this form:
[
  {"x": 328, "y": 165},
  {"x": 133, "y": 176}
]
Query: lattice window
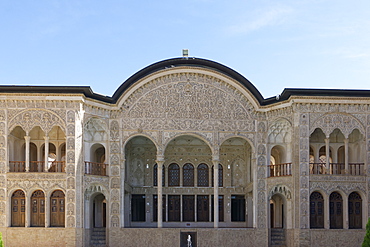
[
  {"x": 38, "y": 208},
  {"x": 18, "y": 208},
  {"x": 57, "y": 209},
  {"x": 155, "y": 175},
  {"x": 188, "y": 175},
  {"x": 174, "y": 175},
  {"x": 203, "y": 177}
]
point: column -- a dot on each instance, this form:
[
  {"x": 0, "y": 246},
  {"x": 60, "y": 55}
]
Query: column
[
  {"x": 327, "y": 153},
  {"x": 46, "y": 153},
  {"x": 216, "y": 161},
  {"x": 28, "y": 139},
  {"x": 346, "y": 164},
  {"x": 160, "y": 162}
]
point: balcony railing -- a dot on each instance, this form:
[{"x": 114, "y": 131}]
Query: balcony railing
[
  {"x": 57, "y": 166},
  {"x": 36, "y": 166},
  {"x": 356, "y": 168},
  {"x": 17, "y": 166},
  {"x": 280, "y": 170},
  {"x": 93, "y": 168},
  {"x": 337, "y": 169}
]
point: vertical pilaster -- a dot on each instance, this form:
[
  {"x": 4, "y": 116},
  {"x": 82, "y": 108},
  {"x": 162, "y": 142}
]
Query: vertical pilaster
[
  {"x": 4, "y": 160},
  {"x": 304, "y": 188},
  {"x": 260, "y": 185},
  {"x": 114, "y": 172},
  {"x": 366, "y": 212},
  {"x": 72, "y": 190}
]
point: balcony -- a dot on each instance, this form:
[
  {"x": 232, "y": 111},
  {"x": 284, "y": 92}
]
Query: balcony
[
  {"x": 36, "y": 166},
  {"x": 280, "y": 170},
  {"x": 93, "y": 168},
  {"x": 355, "y": 169}
]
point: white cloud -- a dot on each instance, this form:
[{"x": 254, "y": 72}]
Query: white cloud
[{"x": 270, "y": 17}]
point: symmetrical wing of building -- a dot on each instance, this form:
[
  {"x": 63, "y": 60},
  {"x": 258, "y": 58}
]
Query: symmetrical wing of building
[{"x": 186, "y": 151}]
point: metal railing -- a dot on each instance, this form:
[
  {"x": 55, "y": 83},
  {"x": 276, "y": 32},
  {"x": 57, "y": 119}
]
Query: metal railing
[
  {"x": 279, "y": 170},
  {"x": 93, "y": 168}
]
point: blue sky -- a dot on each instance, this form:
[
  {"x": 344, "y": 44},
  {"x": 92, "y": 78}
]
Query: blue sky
[{"x": 275, "y": 44}]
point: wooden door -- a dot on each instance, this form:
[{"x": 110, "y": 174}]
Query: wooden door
[
  {"x": 188, "y": 208},
  {"x": 57, "y": 209},
  {"x": 173, "y": 208},
  {"x": 202, "y": 208},
  {"x": 18, "y": 208},
  {"x": 336, "y": 211},
  {"x": 316, "y": 210},
  {"x": 355, "y": 211},
  {"x": 155, "y": 208},
  {"x": 38, "y": 209}
]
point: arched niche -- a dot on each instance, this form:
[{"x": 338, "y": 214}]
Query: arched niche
[{"x": 235, "y": 156}]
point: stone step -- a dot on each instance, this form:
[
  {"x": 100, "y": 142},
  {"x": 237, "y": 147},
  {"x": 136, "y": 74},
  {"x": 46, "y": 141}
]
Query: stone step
[
  {"x": 97, "y": 237},
  {"x": 278, "y": 237},
  {"x": 99, "y": 229},
  {"x": 97, "y": 241}
]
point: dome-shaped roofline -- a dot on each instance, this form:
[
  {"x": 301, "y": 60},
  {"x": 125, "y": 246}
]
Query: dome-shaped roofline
[{"x": 192, "y": 62}]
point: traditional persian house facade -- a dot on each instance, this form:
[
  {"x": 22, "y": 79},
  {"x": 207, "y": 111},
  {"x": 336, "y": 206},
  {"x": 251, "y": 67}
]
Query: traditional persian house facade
[{"x": 186, "y": 150}]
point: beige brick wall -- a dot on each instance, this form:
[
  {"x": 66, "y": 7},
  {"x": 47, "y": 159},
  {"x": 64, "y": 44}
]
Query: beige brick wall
[{"x": 38, "y": 237}]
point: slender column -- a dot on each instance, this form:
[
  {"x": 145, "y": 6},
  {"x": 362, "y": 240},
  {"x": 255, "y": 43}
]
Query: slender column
[
  {"x": 317, "y": 155},
  {"x": 346, "y": 164},
  {"x": 46, "y": 153},
  {"x": 28, "y": 139},
  {"x": 216, "y": 161},
  {"x": 327, "y": 153},
  {"x": 160, "y": 162}
]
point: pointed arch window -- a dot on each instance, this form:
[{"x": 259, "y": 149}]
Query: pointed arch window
[
  {"x": 188, "y": 175},
  {"x": 203, "y": 175},
  {"x": 57, "y": 209},
  {"x": 174, "y": 175},
  {"x": 18, "y": 208}
]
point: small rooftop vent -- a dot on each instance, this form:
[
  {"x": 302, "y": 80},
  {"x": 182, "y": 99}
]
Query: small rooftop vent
[{"x": 185, "y": 52}]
